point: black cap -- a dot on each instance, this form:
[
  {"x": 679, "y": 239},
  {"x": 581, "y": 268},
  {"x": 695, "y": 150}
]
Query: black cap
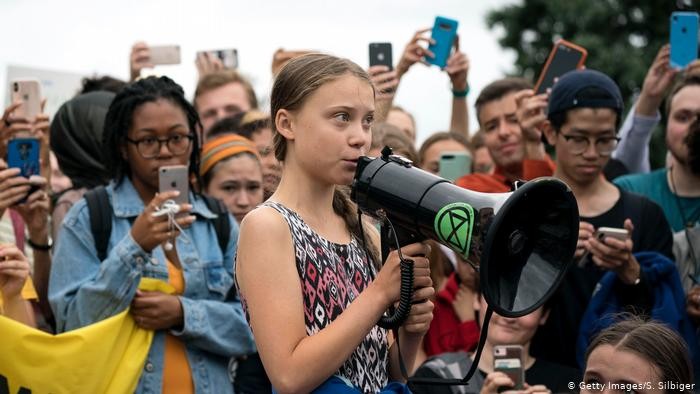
[{"x": 566, "y": 95}]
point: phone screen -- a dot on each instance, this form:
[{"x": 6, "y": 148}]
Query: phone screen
[{"x": 565, "y": 59}]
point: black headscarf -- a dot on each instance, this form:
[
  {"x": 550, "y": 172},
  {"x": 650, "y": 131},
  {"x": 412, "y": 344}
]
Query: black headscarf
[{"x": 76, "y": 138}]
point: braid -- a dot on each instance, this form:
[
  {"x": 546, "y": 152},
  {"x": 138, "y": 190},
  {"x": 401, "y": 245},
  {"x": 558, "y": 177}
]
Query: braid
[
  {"x": 343, "y": 206},
  {"x": 119, "y": 117}
]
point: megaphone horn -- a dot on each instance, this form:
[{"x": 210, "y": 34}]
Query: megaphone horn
[{"x": 522, "y": 241}]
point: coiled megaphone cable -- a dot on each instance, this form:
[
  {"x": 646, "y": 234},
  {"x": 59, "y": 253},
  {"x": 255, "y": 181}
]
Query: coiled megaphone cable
[{"x": 397, "y": 316}]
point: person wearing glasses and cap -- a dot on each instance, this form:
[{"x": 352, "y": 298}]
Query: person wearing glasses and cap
[
  {"x": 149, "y": 125},
  {"x": 583, "y": 114}
]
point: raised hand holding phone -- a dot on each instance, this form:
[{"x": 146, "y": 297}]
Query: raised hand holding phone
[
  {"x": 443, "y": 37},
  {"x": 414, "y": 52},
  {"x": 211, "y": 61},
  {"x": 611, "y": 249}
]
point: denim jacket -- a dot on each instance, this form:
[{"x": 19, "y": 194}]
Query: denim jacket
[{"x": 84, "y": 290}]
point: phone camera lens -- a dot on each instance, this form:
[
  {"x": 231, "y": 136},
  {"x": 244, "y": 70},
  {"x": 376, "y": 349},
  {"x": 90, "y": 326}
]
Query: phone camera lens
[{"x": 16, "y": 87}]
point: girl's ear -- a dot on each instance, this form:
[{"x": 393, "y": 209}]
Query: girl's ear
[{"x": 284, "y": 122}]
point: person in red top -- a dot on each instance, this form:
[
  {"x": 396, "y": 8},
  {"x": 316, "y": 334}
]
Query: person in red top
[
  {"x": 454, "y": 326},
  {"x": 516, "y": 148}
]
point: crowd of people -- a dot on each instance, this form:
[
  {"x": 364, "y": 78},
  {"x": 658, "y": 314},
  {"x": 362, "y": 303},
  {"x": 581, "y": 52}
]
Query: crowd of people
[{"x": 278, "y": 285}]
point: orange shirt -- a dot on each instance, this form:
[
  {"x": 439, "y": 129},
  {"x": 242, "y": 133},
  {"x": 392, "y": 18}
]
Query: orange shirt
[
  {"x": 28, "y": 292},
  {"x": 497, "y": 182},
  {"x": 177, "y": 375}
]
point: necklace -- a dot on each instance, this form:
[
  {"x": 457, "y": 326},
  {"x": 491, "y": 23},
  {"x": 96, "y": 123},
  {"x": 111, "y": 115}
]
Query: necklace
[{"x": 687, "y": 223}]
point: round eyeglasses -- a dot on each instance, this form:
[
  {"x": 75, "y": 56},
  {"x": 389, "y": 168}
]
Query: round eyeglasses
[
  {"x": 579, "y": 144},
  {"x": 149, "y": 147}
]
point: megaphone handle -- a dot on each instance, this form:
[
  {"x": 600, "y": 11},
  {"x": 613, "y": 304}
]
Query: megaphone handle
[{"x": 398, "y": 317}]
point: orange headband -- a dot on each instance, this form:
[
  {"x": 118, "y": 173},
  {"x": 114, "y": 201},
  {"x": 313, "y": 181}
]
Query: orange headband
[{"x": 223, "y": 147}]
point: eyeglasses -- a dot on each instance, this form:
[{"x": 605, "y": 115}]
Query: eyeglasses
[
  {"x": 149, "y": 147},
  {"x": 579, "y": 144}
]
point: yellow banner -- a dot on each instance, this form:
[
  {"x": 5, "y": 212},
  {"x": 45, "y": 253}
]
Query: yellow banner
[{"x": 105, "y": 357}]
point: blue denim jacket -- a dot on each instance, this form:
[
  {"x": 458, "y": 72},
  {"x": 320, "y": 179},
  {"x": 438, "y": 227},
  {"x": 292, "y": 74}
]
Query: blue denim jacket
[{"x": 83, "y": 290}]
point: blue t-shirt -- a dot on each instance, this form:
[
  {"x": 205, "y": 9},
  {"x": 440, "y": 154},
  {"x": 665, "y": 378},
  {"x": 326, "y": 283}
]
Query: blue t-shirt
[{"x": 655, "y": 186}]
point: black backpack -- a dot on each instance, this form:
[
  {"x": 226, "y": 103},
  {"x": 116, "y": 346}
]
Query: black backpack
[{"x": 101, "y": 219}]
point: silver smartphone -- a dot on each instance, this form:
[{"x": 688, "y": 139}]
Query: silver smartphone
[
  {"x": 164, "y": 54},
  {"x": 618, "y": 233},
  {"x": 174, "y": 178},
  {"x": 28, "y": 91}
]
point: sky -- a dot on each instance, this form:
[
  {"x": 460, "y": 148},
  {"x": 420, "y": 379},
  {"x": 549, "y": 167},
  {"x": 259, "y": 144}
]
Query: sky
[{"x": 95, "y": 37}]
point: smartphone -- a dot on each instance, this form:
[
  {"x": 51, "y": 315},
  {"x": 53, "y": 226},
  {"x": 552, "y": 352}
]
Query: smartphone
[
  {"x": 617, "y": 233},
  {"x": 380, "y": 54},
  {"x": 29, "y": 92},
  {"x": 164, "y": 54},
  {"x": 684, "y": 38},
  {"x": 509, "y": 360},
  {"x": 229, "y": 57},
  {"x": 174, "y": 178},
  {"x": 454, "y": 165},
  {"x": 564, "y": 57},
  {"x": 23, "y": 153},
  {"x": 444, "y": 34}
]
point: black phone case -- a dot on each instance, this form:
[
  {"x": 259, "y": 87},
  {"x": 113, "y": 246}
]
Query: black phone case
[{"x": 380, "y": 54}]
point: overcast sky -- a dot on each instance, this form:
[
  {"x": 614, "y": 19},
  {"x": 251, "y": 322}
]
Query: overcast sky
[{"x": 90, "y": 36}]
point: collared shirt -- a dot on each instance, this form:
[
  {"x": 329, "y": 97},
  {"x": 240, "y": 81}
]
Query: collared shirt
[{"x": 84, "y": 290}]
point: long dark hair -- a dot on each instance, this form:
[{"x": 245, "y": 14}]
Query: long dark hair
[
  {"x": 119, "y": 119},
  {"x": 294, "y": 84}
]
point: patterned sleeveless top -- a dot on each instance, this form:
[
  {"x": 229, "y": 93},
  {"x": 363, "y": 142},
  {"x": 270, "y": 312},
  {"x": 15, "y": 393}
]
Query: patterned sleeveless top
[{"x": 332, "y": 276}]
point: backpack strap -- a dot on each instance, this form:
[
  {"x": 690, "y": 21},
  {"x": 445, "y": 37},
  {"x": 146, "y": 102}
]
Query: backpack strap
[
  {"x": 221, "y": 223},
  {"x": 101, "y": 220},
  {"x": 100, "y": 211}
]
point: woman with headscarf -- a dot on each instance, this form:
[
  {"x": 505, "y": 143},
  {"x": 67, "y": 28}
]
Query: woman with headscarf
[{"x": 76, "y": 140}]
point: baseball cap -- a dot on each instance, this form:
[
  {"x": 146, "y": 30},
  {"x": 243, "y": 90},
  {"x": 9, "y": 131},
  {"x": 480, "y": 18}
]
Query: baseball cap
[{"x": 600, "y": 91}]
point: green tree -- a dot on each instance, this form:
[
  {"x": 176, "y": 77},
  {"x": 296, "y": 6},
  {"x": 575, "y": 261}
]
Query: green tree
[{"x": 622, "y": 38}]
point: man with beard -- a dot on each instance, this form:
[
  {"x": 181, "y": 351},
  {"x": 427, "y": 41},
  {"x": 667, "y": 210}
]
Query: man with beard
[{"x": 677, "y": 188}]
